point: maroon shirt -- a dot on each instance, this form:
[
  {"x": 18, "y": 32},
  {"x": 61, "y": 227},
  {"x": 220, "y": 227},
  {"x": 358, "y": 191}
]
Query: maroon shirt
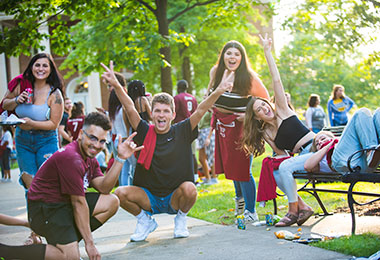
[
  {"x": 74, "y": 125},
  {"x": 185, "y": 105},
  {"x": 65, "y": 173}
]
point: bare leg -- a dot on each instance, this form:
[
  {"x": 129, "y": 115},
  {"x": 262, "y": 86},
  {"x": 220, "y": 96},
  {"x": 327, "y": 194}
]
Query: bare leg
[
  {"x": 203, "y": 161},
  {"x": 133, "y": 199},
  {"x": 106, "y": 207},
  {"x": 184, "y": 197}
]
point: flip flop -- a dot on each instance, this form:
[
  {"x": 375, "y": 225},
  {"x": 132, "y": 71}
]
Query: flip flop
[
  {"x": 288, "y": 220},
  {"x": 304, "y": 215}
]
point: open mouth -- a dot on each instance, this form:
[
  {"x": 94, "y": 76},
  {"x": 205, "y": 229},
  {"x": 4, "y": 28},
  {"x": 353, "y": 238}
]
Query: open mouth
[{"x": 161, "y": 123}]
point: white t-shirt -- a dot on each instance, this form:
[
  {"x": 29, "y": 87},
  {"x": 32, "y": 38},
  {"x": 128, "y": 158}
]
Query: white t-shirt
[
  {"x": 118, "y": 125},
  {"x": 324, "y": 166},
  {"x": 7, "y": 137}
]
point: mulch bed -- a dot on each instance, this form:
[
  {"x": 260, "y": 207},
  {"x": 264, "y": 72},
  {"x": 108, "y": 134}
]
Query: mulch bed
[{"x": 366, "y": 210}]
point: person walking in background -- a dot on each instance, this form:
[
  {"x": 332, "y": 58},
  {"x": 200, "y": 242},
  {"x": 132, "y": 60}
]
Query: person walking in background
[
  {"x": 315, "y": 116},
  {"x": 228, "y": 116},
  {"x": 75, "y": 123},
  {"x": 120, "y": 127},
  {"x": 6, "y": 146},
  {"x": 64, "y": 137},
  {"x": 136, "y": 90},
  {"x": 338, "y": 106},
  {"x": 185, "y": 103},
  {"x": 37, "y": 138}
]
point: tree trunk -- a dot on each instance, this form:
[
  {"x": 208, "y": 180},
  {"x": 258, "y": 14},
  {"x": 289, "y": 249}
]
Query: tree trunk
[
  {"x": 186, "y": 71},
  {"x": 163, "y": 29}
]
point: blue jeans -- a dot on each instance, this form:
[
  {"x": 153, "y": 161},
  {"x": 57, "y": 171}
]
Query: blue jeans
[
  {"x": 128, "y": 170},
  {"x": 361, "y": 132},
  {"x": 284, "y": 175},
  {"x": 33, "y": 147},
  {"x": 247, "y": 190}
]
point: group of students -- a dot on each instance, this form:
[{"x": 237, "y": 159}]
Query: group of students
[{"x": 163, "y": 182}]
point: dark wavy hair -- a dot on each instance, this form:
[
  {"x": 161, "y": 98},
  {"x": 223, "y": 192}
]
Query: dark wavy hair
[
  {"x": 77, "y": 110},
  {"x": 54, "y": 79},
  {"x": 113, "y": 101},
  {"x": 97, "y": 119},
  {"x": 253, "y": 130},
  {"x": 313, "y": 100},
  {"x": 243, "y": 74},
  {"x": 136, "y": 88}
]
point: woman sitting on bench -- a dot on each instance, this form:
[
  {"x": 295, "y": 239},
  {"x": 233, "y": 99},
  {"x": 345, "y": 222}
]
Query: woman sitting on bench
[
  {"x": 361, "y": 132},
  {"x": 279, "y": 126}
]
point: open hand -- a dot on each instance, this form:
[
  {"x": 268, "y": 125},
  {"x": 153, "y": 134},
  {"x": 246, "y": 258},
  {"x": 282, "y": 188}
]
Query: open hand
[
  {"x": 267, "y": 42},
  {"x": 128, "y": 147}
]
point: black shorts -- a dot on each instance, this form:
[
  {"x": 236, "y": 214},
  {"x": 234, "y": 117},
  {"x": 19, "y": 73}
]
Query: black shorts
[{"x": 55, "y": 221}]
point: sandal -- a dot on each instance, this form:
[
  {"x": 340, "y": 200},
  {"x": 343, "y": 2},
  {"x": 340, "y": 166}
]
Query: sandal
[
  {"x": 304, "y": 215},
  {"x": 33, "y": 239},
  {"x": 288, "y": 220}
]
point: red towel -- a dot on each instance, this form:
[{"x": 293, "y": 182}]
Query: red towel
[
  {"x": 24, "y": 84},
  {"x": 146, "y": 154},
  {"x": 267, "y": 183}
]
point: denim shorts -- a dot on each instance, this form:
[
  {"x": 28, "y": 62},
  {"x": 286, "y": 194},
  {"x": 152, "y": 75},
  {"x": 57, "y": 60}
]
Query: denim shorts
[
  {"x": 33, "y": 147},
  {"x": 160, "y": 205}
]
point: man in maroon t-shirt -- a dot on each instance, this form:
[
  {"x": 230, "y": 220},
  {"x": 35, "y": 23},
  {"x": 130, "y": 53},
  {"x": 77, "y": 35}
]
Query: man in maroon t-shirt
[
  {"x": 185, "y": 103},
  {"x": 59, "y": 208}
]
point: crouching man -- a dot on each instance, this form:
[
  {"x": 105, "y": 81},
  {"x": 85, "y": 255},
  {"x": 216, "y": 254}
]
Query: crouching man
[
  {"x": 58, "y": 206},
  {"x": 163, "y": 181}
]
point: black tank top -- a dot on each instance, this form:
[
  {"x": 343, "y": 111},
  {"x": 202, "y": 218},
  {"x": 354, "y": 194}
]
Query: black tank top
[{"x": 289, "y": 133}]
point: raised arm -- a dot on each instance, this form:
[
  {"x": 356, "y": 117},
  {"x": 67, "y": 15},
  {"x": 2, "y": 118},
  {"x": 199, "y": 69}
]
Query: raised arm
[
  {"x": 125, "y": 100},
  {"x": 312, "y": 164},
  {"x": 225, "y": 85},
  {"x": 282, "y": 107},
  {"x": 104, "y": 184}
]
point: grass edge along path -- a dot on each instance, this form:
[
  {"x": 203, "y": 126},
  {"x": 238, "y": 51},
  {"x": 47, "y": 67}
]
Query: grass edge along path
[{"x": 216, "y": 204}]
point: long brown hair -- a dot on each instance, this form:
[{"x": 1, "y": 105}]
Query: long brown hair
[
  {"x": 243, "y": 74},
  {"x": 335, "y": 89},
  {"x": 253, "y": 130}
]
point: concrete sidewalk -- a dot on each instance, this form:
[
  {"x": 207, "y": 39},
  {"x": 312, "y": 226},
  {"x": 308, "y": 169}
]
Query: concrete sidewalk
[{"x": 206, "y": 241}]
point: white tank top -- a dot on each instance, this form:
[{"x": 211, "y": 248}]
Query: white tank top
[{"x": 118, "y": 125}]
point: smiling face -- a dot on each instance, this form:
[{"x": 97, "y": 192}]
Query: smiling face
[
  {"x": 92, "y": 140},
  {"x": 162, "y": 117},
  {"x": 232, "y": 58},
  {"x": 263, "y": 111},
  {"x": 41, "y": 69},
  {"x": 321, "y": 139},
  {"x": 339, "y": 92}
]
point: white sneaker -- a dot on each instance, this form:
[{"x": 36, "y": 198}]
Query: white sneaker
[
  {"x": 239, "y": 206},
  {"x": 143, "y": 228},
  {"x": 250, "y": 217},
  {"x": 180, "y": 227},
  {"x": 214, "y": 180}
]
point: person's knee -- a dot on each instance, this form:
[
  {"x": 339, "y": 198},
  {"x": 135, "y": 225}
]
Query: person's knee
[
  {"x": 122, "y": 193},
  {"x": 363, "y": 112},
  {"x": 114, "y": 203},
  {"x": 188, "y": 190}
]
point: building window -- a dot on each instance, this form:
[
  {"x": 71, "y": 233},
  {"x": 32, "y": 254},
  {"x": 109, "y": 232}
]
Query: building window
[{"x": 81, "y": 87}]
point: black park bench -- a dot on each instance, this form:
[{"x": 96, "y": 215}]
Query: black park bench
[{"x": 351, "y": 177}]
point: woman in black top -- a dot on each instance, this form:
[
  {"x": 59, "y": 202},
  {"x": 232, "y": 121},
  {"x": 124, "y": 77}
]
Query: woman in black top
[{"x": 279, "y": 126}]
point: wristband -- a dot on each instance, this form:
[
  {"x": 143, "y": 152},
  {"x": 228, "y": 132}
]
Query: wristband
[
  {"x": 117, "y": 158},
  {"x": 17, "y": 101}
]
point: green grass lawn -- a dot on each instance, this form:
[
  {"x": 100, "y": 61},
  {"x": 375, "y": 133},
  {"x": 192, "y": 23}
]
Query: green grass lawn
[{"x": 216, "y": 204}]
